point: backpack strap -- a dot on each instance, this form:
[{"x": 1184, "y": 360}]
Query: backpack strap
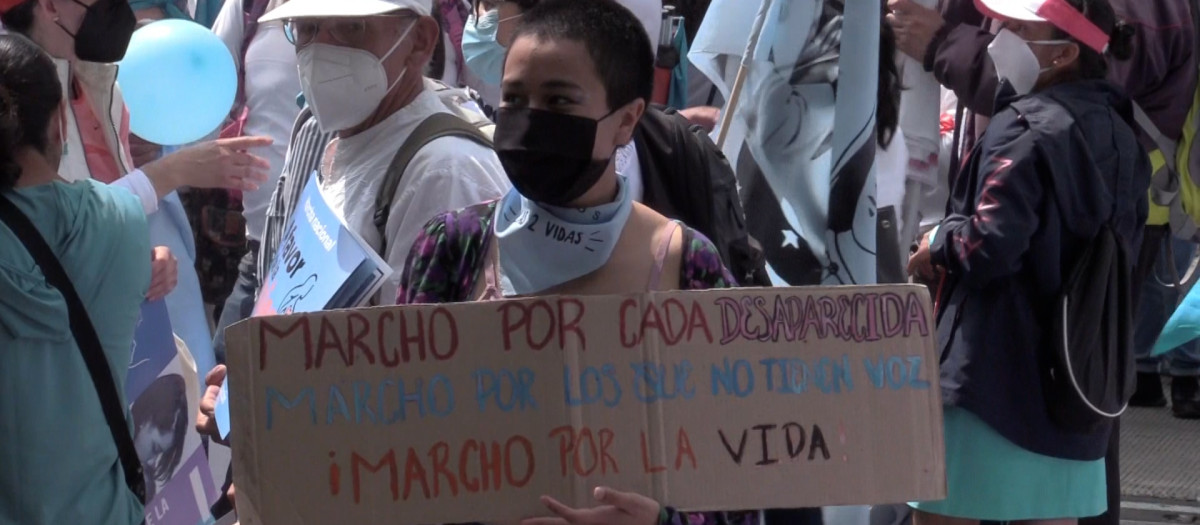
[
  {"x": 87, "y": 340},
  {"x": 432, "y": 128},
  {"x": 1165, "y": 183}
]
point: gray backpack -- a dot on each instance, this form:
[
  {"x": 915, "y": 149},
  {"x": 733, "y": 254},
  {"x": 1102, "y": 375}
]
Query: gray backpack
[{"x": 463, "y": 121}]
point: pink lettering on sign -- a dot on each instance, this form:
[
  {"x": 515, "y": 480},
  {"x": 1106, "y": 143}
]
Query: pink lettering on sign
[{"x": 859, "y": 317}]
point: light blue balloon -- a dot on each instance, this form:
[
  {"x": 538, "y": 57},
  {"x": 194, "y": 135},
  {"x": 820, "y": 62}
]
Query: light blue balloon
[{"x": 178, "y": 80}]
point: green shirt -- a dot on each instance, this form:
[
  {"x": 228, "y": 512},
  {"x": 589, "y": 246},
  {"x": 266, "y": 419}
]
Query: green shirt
[{"x": 58, "y": 463}]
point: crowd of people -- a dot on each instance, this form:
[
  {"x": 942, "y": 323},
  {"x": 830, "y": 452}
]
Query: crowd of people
[{"x": 1047, "y": 153}]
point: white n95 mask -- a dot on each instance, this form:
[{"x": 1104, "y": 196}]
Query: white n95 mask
[
  {"x": 344, "y": 85},
  {"x": 1015, "y": 61}
]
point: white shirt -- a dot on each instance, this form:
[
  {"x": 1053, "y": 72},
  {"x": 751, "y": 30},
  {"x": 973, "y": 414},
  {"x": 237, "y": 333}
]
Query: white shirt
[
  {"x": 271, "y": 88},
  {"x": 650, "y": 14},
  {"x": 447, "y": 174},
  {"x": 272, "y": 84}
]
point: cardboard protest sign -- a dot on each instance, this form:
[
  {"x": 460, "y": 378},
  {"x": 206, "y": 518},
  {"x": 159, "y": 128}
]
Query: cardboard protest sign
[{"x": 717, "y": 400}]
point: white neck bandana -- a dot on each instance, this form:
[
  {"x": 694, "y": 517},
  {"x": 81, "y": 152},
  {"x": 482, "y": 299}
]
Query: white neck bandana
[{"x": 544, "y": 246}]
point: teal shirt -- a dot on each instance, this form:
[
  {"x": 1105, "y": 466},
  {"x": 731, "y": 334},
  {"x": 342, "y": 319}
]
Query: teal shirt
[{"x": 58, "y": 463}]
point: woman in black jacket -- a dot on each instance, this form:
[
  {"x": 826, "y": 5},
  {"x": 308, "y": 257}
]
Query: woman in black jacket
[{"x": 1058, "y": 161}]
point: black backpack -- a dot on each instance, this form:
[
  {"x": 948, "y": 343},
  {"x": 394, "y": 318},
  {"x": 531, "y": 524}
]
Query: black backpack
[
  {"x": 686, "y": 177},
  {"x": 1089, "y": 374}
]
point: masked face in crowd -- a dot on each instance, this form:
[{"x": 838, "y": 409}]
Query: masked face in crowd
[
  {"x": 1027, "y": 54},
  {"x": 555, "y": 132},
  {"x": 487, "y": 31},
  {"x": 349, "y": 65},
  {"x": 100, "y": 29}
]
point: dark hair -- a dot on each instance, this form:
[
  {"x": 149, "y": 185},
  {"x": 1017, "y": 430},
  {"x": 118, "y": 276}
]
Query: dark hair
[
  {"x": 613, "y": 36},
  {"x": 887, "y": 99},
  {"x": 1092, "y": 64},
  {"x": 163, "y": 405},
  {"x": 29, "y": 95},
  {"x": 19, "y": 19},
  {"x": 436, "y": 68}
]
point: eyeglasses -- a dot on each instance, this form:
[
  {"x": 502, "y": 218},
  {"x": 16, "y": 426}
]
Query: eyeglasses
[{"x": 346, "y": 31}]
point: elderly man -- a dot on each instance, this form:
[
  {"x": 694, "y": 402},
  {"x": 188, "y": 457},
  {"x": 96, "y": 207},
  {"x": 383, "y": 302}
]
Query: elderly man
[
  {"x": 360, "y": 70},
  {"x": 360, "y": 67}
]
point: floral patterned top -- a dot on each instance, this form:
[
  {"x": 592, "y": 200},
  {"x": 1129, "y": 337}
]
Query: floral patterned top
[{"x": 448, "y": 258}]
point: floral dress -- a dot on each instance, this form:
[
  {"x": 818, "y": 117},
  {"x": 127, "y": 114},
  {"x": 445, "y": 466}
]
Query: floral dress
[{"x": 448, "y": 259}]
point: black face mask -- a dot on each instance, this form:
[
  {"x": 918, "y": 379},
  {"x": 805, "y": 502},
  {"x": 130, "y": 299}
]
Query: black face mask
[
  {"x": 547, "y": 155},
  {"x": 105, "y": 32}
]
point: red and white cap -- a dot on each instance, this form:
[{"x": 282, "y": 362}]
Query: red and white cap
[{"x": 1057, "y": 12}]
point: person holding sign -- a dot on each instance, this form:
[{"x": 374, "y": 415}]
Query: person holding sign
[
  {"x": 1058, "y": 170},
  {"x": 574, "y": 88},
  {"x": 576, "y": 80}
]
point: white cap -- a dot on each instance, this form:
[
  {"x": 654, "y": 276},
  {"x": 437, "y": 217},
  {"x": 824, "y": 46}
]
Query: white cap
[{"x": 344, "y": 8}]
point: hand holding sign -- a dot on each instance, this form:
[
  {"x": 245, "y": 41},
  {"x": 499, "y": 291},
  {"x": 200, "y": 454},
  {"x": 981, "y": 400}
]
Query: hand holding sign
[
  {"x": 616, "y": 508},
  {"x": 208, "y": 421}
]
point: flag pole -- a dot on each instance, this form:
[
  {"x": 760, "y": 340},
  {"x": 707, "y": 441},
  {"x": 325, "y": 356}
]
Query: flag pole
[{"x": 743, "y": 70}]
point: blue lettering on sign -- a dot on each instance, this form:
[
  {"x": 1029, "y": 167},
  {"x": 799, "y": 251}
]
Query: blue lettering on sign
[
  {"x": 736, "y": 378},
  {"x": 505, "y": 389},
  {"x": 793, "y": 375},
  {"x": 596, "y": 385},
  {"x": 651, "y": 381},
  {"x": 306, "y": 394},
  {"x": 896, "y": 372},
  {"x": 362, "y": 395},
  {"x": 336, "y": 405}
]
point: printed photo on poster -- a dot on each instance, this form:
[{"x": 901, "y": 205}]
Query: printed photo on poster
[{"x": 801, "y": 136}]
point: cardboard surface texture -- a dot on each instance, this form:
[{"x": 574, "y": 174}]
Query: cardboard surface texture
[{"x": 717, "y": 400}]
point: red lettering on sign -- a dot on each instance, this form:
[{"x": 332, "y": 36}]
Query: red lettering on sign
[
  {"x": 388, "y": 356},
  {"x": 438, "y": 352},
  {"x": 646, "y": 467},
  {"x": 573, "y": 324},
  {"x": 683, "y": 447},
  {"x": 266, "y": 328},
  {"x": 526, "y": 447},
  {"x": 414, "y": 471},
  {"x": 522, "y": 317},
  {"x": 606, "y": 458},
  {"x": 508, "y": 325},
  {"x": 439, "y": 456},
  {"x": 566, "y": 442},
  {"x": 632, "y": 340},
  {"x": 470, "y": 484},
  {"x": 410, "y": 336},
  {"x": 388, "y": 460},
  {"x": 355, "y": 340},
  {"x": 327, "y": 340},
  {"x": 490, "y": 465}
]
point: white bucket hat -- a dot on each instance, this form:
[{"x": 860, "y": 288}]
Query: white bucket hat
[{"x": 344, "y": 8}]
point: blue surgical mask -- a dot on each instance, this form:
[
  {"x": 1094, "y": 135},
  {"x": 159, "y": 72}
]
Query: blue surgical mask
[{"x": 482, "y": 53}]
